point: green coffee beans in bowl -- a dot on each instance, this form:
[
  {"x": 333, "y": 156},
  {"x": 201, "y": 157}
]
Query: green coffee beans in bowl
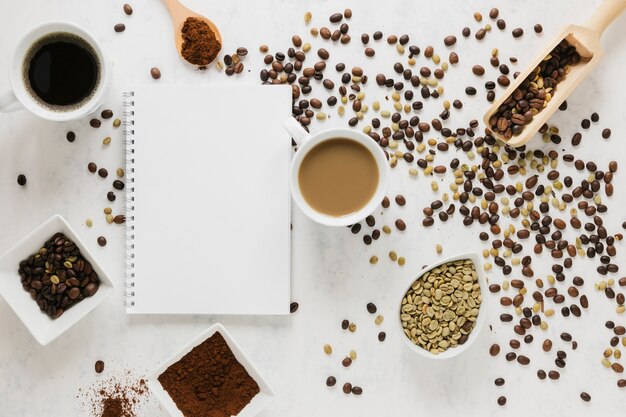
[{"x": 442, "y": 312}]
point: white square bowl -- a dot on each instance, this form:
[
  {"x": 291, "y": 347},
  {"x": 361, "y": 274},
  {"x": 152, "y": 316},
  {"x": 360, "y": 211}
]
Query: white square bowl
[
  {"x": 258, "y": 402},
  {"x": 41, "y": 326}
]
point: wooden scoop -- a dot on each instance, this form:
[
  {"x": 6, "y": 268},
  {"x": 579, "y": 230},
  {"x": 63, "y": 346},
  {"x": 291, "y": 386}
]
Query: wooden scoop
[
  {"x": 179, "y": 14},
  {"x": 586, "y": 39}
]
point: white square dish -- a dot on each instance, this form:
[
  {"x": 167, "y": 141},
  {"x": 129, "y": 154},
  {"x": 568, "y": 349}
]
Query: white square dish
[
  {"x": 42, "y": 327},
  {"x": 258, "y": 402}
]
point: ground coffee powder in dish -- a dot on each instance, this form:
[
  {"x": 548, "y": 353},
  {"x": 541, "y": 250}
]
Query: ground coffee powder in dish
[
  {"x": 209, "y": 381},
  {"x": 200, "y": 46}
]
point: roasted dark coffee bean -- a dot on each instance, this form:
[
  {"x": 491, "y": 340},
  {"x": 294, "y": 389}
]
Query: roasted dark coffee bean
[
  {"x": 347, "y": 388},
  {"x": 111, "y": 196},
  {"x": 494, "y": 349},
  {"x": 554, "y": 375},
  {"x": 400, "y": 224},
  {"x": 331, "y": 381},
  {"x": 92, "y": 167},
  {"x": 120, "y": 27},
  {"x": 102, "y": 241},
  {"x": 155, "y": 73},
  {"x": 21, "y": 180},
  {"x": 517, "y": 32},
  {"x": 118, "y": 185},
  {"x": 449, "y": 40},
  {"x": 323, "y": 53},
  {"x": 293, "y": 307},
  {"x": 547, "y": 345},
  {"x": 95, "y": 123},
  {"x": 357, "y": 390},
  {"x": 70, "y": 136},
  {"x": 478, "y": 70},
  {"x": 345, "y": 324},
  {"x": 501, "y": 400},
  {"x": 499, "y": 382},
  {"x": 585, "y": 397},
  {"x": 102, "y": 172},
  {"x": 99, "y": 366},
  {"x": 371, "y": 308},
  {"x": 382, "y": 336}
]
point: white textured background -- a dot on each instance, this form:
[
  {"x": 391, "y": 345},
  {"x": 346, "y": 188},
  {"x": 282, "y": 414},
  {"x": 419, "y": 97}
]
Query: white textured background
[{"x": 332, "y": 278}]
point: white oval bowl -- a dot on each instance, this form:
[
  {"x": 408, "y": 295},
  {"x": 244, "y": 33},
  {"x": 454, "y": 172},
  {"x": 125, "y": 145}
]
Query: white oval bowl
[{"x": 480, "y": 320}]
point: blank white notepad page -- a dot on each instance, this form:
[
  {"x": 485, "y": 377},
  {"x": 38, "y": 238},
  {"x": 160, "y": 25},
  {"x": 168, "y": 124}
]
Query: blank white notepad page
[{"x": 211, "y": 200}]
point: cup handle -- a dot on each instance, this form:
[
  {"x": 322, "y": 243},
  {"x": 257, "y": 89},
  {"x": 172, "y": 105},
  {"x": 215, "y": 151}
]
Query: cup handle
[
  {"x": 9, "y": 103},
  {"x": 296, "y": 131}
]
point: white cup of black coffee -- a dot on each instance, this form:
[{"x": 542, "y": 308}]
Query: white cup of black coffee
[{"x": 58, "y": 72}]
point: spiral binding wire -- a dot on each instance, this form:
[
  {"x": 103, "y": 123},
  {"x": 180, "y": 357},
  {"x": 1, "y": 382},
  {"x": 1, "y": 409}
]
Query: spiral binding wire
[{"x": 129, "y": 141}]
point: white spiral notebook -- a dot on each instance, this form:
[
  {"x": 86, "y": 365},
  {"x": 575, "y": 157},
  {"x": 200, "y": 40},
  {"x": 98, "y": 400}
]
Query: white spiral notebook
[{"x": 208, "y": 205}]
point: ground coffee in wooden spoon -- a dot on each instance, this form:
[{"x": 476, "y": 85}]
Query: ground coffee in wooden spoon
[{"x": 200, "y": 45}]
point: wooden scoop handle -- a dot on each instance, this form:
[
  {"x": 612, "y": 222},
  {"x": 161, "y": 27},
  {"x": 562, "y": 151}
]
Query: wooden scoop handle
[{"x": 605, "y": 14}]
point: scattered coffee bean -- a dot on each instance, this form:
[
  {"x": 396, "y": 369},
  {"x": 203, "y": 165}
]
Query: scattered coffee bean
[
  {"x": 371, "y": 308},
  {"x": 331, "y": 381},
  {"x": 99, "y": 366},
  {"x": 585, "y": 397},
  {"x": 155, "y": 73},
  {"x": 95, "y": 123},
  {"x": 118, "y": 185},
  {"x": 102, "y": 241},
  {"x": 128, "y": 9},
  {"x": 538, "y": 28},
  {"x": 449, "y": 40},
  {"x": 103, "y": 172},
  {"x": 70, "y": 136},
  {"x": 478, "y": 70},
  {"x": 21, "y": 180},
  {"x": 120, "y": 27}
]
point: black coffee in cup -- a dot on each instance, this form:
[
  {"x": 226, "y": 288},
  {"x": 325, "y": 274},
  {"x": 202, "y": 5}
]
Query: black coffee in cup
[{"x": 61, "y": 71}]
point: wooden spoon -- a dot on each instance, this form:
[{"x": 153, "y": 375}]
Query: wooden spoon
[
  {"x": 179, "y": 14},
  {"x": 586, "y": 39}
]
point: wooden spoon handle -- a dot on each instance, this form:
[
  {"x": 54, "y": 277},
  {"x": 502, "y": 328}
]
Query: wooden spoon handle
[
  {"x": 604, "y": 15},
  {"x": 178, "y": 12}
]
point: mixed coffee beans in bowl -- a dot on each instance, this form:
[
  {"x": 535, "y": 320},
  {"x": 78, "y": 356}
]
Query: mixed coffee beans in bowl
[
  {"x": 442, "y": 311},
  {"x": 51, "y": 280}
]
